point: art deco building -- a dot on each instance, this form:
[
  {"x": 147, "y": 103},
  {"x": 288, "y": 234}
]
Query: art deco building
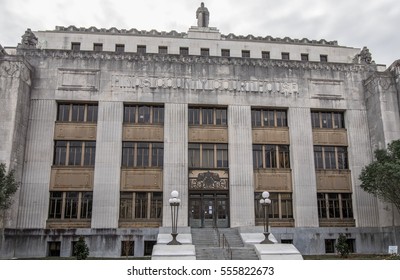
[{"x": 102, "y": 124}]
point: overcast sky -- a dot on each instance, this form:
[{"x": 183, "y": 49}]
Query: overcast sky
[{"x": 353, "y": 23}]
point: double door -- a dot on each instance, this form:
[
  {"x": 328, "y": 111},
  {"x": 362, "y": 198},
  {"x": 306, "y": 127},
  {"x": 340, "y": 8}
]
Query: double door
[{"x": 209, "y": 209}]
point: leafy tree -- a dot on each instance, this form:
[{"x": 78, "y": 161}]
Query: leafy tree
[
  {"x": 8, "y": 187},
  {"x": 382, "y": 177},
  {"x": 81, "y": 250},
  {"x": 342, "y": 246}
]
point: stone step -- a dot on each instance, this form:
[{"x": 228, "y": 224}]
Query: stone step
[{"x": 247, "y": 253}]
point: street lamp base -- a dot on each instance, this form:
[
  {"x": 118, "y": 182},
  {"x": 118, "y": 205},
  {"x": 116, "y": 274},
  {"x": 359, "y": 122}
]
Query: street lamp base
[
  {"x": 266, "y": 240},
  {"x": 174, "y": 241}
]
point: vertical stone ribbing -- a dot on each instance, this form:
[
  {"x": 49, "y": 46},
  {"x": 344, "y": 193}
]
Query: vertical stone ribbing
[
  {"x": 303, "y": 170},
  {"x": 107, "y": 171},
  {"x": 241, "y": 180},
  {"x": 34, "y": 196},
  {"x": 365, "y": 205},
  {"x": 175, "y": 160}
]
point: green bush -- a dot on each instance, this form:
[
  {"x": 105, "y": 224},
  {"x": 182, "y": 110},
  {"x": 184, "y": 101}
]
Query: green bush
[
  {"x": 81, "y": 250},
  {"x": 342, "y": 247}
]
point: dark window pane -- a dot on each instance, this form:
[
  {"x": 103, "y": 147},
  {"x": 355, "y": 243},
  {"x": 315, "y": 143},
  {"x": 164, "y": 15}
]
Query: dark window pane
[
  {"x": 207, "y": 156},
  {"x": 333, "y": 205},
  {"x": 60, "y": 153},
  {"x": 281, "y": 120},
  {"x": 225, "y": 53},
  {"x": 285, "y": 56},
  {"x": 319, "y": 164},
  {"x": 141, "y": 49},
  {"x": 339, "y": 119},
  {"x": 321, "y": 205},
  {"x": 194, "y": 116},
  {"x": 141, "y": 205},
  {"x": 63, "y": 112},
  {"x": 222, "y": 155},
  {"x": 265, "y": 55},
  {"x": 157, "y": 156},
  {"x": 156, "y": 205},
  {"x": 330, "y": 160},
  {"x": 78, "y": 113},
  {"x": 158, "y": 115},
  {"x": 55, "y": 205},
  {"x": 270, "y": 156},
  {"x": 204, "y": 52},
  {"x": 207, "y": 116},
  {"x": 86, "y": 205},
  {"x": 284, "y": 161},
  {"x": 221, "y": 118},
  {"x": 92, "y": 113},
  {"x": 184, "y": 51},
  {"x": 97, "y": 47},
  {"x": 130, "y": 113},
  {"x": 144, "y": 114},
  {"x": 90, "y": 153},
  {"x": 194, "y": 155},
  {"x": 245, "y": 53},
  {"x": 342, "y": 158},
  {"x": 257, "y": 156},
  {"x": 304, "y": 57},
  {"x": 315, "y": 121},
  {"x": 326, "y": 120},
  {"x": 119, "y": 48},
  {"x": 125, "y": 207},
  {"x": 347, "y": 206},
  {"x": 128, "y": 149},
  {"x": 75, "y": 153},
  {"x": 256, "y": 118},
  {"x": 75, "y": 46},
  {"x": 71, "y": 205},
  {"x": 162, "y": 50},
  {"x": 142, "y": 159}
]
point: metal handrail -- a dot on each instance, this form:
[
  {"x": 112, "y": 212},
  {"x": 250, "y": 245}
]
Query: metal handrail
[{"x": 225, "y": 243}]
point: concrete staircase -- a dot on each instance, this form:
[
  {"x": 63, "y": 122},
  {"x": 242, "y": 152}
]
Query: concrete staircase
[{"x": 206, "y": 243}]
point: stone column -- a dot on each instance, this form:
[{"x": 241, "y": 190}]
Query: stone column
[
  {"x": 34, "y": 196},
  {"x": 303, "y": 168},
  {"x": 107, "y": 171},
  {"x": 175, "y": 161},
  {"x": 241, "y": 178}
]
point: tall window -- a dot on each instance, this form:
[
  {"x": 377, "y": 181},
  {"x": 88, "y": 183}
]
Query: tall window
[
  {"x": 332, "y": 120},
  {"x": 77, "y": 112},
  {"x": 74, "y": 153},
  {"x": 140, "y": 205},
  {"x": 207, "y": 116},
  {"x": 143, "y": 114},
  {"x": 335, "y": 206},
  {"x": 208, "y": 155},
  {"x": 70, "y": 205},
  {"x": 281, "y": 206},
  {"x": 330, "y": 157},
  {"x": 271, "y": 156},
  {"x": 142, "y": 154},
  {"x": 268, "y": 118}
]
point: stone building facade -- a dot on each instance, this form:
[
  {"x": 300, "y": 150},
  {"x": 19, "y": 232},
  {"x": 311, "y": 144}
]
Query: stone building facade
[{"x": 102, "y": 124}]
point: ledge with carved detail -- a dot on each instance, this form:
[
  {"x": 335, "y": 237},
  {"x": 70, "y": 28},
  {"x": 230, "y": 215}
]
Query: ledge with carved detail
[
  {"x": 139, "y": 223},
  {"x": 191, "y": 59},
  {"x": 67, "y": 223},
  {"x": 348, "y": 222},
  {"x": 273, "y": 222}
]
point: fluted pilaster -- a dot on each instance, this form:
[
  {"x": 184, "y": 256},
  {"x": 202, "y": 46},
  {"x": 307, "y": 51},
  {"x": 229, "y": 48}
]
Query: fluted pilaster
[{"x": 107, "y": 172}]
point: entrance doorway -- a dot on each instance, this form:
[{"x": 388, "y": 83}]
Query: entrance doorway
[{"x": 209, "y": 209}]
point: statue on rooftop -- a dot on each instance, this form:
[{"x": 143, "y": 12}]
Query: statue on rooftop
[
  {"x": 29, "y": 40},
  {"x": 202, "y": 16}
]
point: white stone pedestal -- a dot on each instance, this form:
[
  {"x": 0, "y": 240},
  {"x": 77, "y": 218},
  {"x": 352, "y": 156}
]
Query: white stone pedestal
[
  {"x": 277, "y": 252},
  {"x": 174, "y": 252}
]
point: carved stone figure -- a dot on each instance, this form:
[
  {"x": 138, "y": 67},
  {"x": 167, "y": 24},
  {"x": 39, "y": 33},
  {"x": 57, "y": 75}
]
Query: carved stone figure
[
  {"x": 364, "y": 57},
  {"x": 202, "y": 16},
  {"x": 2, "y": 51},
  {"x": 29, "y": 40}
]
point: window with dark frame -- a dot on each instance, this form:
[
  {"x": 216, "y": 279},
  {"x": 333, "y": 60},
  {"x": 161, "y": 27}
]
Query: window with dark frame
[
  {"x": 74, "y": 153},
  {"x": 330, "y": 246},
  {"x": 265, "y": 55},
  {"x": 143, "y": 114},
  {"x": 163, "y": 50},
  {"x": 208, "y": 155},
  {"x": 142, "y": 154},
  {"x": 97, "y": 47},
  {"x": 119, "y": 48},
  {"x": 323, "y": 58},
  {"x": 225, "y": 53},
  {"x": 246, "y": 53},
  {"x": 205, "y": 52},
  {"x": 285, "y": 56},
  {"x": 335, "y": 206},
  {"x": 79, "y": 112},
  {"x": 208, "y": 116},
  {"x": 148, "y": 247},
  {"x": 304, "y": 57},
  {"x": 70, "y": 205},
  {"x": 141, "y": 49},
  {"x": 54, "y": 249},
  {"x": 75, "y": 46},
  {"x": 140, "y": 205},
  {"x": 271, "y": 156},
  {"x": 268, "y": 117},
  {"x": 184, "y": 51},
  {"x": 127, "y": 248},
  {"x": 327, "y": 119},
  {"x": 330, "y": 157},
  {"x": 281, "y": 206}
]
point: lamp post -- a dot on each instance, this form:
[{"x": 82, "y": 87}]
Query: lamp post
[
  {"x": 265, "y": 202},
  {"x": 174, "y": 202}
]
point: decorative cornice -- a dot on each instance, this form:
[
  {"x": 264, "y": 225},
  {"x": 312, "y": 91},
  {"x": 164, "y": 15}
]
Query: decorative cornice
[
  {"x": 190, "y": 59},
  {"x": 173, "y": 33}
]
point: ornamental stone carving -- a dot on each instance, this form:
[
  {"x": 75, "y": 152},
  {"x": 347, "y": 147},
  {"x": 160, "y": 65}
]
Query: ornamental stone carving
[
  {"x": 29, "y": 40},
  {"x": 203, "y": 16},
  {"x": 208, "y": 181},
  {"x": 364, "y": 57}
]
